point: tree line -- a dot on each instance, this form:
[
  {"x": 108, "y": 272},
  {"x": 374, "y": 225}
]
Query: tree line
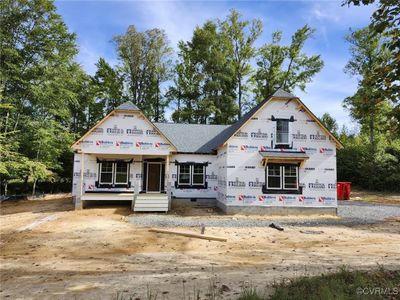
[{"x": 48, "y": 100}]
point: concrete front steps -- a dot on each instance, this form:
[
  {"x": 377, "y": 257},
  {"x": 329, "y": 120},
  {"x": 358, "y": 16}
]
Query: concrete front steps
[{"x": 151, "y": 202}]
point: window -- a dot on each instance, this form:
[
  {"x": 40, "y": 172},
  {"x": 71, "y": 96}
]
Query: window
[
  {"x": 282, "y": 132},
  {"x": 191, "y": 175},
  {"x": 121, "y": 173},
  {"x": 184, "y": 174},
  {"x": 290, "y": 177},
  {"x": 282, "y": 178},
  {"x": 106, "y": 172},
  {"x": 274, "y": 177},
  {"x": 198, "y": 174},
  {"x": 113, "y": 173}
]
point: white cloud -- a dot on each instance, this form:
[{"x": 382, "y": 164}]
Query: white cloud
[{"x": 333, "y": 13}]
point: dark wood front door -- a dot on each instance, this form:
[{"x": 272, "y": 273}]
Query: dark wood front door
[{"x": 153, "y": 177}]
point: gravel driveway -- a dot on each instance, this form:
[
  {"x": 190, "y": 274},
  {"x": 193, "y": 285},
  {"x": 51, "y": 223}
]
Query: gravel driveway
[{"x": 350, "y": 213}]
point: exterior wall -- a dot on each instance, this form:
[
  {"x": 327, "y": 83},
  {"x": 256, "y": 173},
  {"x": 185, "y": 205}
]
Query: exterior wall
[
  {"x": 246, "y": 175},
  {"x": 222, "y": 160},
  {"x": 90, "y": 174},
  {"x": 211, "y": 176},
  {"x": 125, "y": 133},
  {"x": 122, "y": 136}
]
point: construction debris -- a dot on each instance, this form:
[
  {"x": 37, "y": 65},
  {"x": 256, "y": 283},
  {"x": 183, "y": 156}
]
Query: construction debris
[
  {"x": 277, "y": 227},
  {"x": 203, "y": 228},
  {"x": 190, "y": 234},
  {"x": 311, "y": 231}
]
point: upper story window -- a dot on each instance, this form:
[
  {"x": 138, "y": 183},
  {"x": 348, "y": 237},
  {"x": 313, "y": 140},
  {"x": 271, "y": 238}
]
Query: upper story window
[
  {"x": 191, "y": 175},
  {"x": 282, "y": 132}
]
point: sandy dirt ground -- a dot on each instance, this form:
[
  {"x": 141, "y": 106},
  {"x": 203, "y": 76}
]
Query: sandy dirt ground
[
  {"x": 374, "y": 197},
  {"x": 50, "y": 251}
]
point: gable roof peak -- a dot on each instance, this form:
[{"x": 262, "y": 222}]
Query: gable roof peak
[
  {"x": 281, "y": 93},
  {"x": 128, "y": 105}
]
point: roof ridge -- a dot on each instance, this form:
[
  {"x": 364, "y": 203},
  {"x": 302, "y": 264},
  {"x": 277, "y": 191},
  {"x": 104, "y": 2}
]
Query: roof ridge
[
  {"x": 173, "y": 123},
  {"x": 127, "y": 105}
]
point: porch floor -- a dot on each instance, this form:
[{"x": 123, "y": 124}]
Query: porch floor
[{"x": 108, "y": 196}]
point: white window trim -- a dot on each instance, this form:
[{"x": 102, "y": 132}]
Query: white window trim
[
  {"x": 179, "y": 174},
  {"x": 297, "y": 179},
  {"x": 203, "y": 173},
  {"x": 289, "y": 133},
  {"x": 112, "y": 174},
  {"x": 115, "y": 173},
  {"x": 280, "y": 179}
]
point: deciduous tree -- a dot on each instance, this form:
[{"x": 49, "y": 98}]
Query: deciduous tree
[{"x": 285, "y": 67}]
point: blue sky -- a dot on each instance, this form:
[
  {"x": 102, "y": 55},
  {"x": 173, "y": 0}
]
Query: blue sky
[{"x": 96, "y": 22}]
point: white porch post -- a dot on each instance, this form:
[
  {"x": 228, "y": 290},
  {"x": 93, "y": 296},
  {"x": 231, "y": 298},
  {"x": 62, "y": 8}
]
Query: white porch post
[
  {"x": 78, "y": 201},
  {"x": 168, "y": 178}
]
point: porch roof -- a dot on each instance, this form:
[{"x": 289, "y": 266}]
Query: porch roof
[{"x": 283, "y": 156}]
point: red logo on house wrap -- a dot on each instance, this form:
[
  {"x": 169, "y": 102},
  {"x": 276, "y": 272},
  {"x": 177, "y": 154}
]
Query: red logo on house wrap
[
  {"x": 301, "y": 198},
  {"x": 261, "y": 198},
  {"x": 281, "y": 198},
  {"x": 98, "y": 143},
  {"x": 117, "y": 144},
  {"x": 263, "y": 148},
  {"x": 137, "y": 144},
  {"x": 157, "y": 145},
  {"x": 320, "y": 199},
  {"x": 241, "y": 197},
  {"x": 243, "y": 147}
]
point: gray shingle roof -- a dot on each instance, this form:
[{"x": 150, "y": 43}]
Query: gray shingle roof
[
  {"x": 203, "y": 138},
  {"x": 224, "y": 136},
  {"x": 128, "y": 105},
  {"x": 192, "y": 138}
]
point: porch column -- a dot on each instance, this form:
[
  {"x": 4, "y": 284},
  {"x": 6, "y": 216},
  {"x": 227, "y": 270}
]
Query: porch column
[
  {"x": 168, "y": 179},
  {"x": 78, "y": 201}
]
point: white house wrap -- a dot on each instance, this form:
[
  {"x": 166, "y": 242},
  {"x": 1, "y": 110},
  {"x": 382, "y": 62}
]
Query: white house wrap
[{"x": 278, "y": 157}]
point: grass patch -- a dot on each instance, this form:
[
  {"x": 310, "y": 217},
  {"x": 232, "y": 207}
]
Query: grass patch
[{"x": 345, "y": 284}]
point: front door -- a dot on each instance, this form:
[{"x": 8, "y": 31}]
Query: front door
[{"x": 154, "y": 177}]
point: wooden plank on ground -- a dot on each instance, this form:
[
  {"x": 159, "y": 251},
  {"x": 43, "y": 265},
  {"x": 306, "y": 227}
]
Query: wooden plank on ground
[{"x": 190, "y": 234}]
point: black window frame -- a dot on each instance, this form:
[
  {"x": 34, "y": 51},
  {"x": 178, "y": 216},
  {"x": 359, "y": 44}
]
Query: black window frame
[
  {"x": 289, "y": 144},
  {"x": 191, "y": 185},
  {"x": 282, "y": 189},
  {"x": 282, "y": 123},
  {"x": 113, "y": 183}
]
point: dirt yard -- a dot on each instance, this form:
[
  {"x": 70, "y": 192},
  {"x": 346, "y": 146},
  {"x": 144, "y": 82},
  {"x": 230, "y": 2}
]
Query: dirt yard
[
  {"x": 50, "y": 251},
  {"x": 375, "y": 197}
]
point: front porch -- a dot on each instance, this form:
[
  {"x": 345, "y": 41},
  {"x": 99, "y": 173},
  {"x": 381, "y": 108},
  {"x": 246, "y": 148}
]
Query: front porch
[{"x": 144, "y": 180}]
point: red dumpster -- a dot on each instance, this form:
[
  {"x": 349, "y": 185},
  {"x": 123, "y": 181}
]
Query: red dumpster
[{"x": 343, "y": 190}]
